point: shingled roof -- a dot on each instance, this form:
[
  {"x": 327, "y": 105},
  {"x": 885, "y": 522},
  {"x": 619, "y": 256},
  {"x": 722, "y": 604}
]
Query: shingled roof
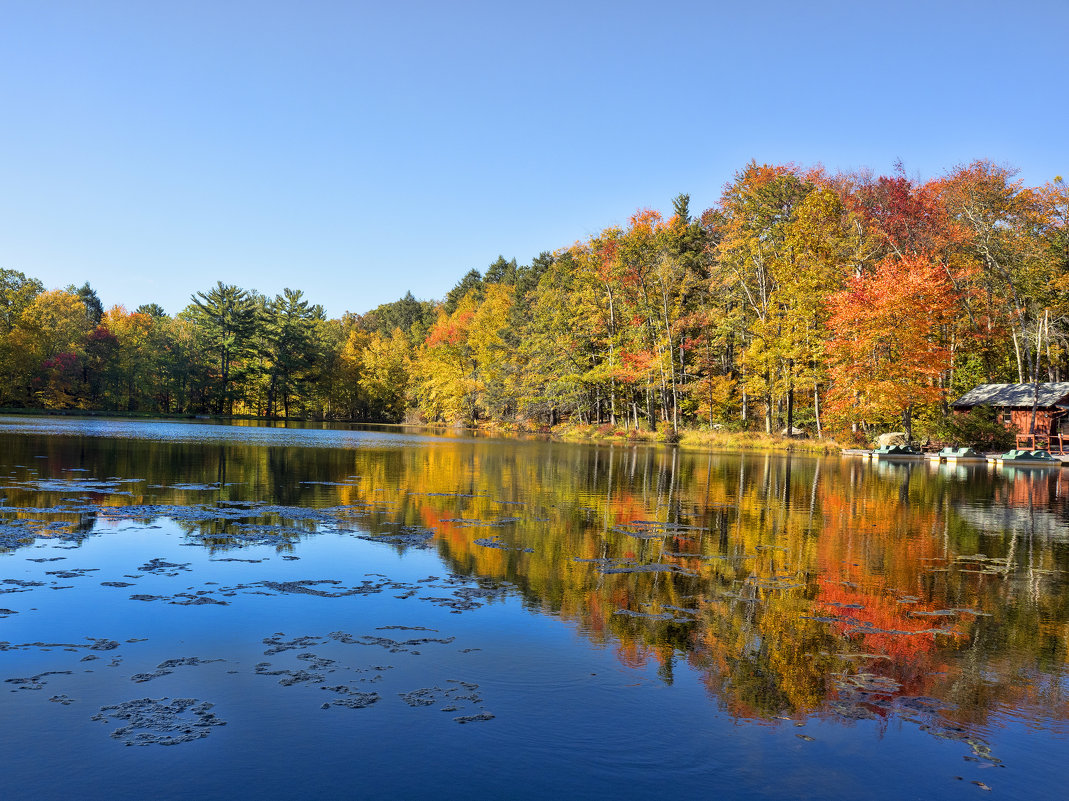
[{"x": 1014, "y": 395}]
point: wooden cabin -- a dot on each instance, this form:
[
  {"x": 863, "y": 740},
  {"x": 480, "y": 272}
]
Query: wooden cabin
[{"x": 1014, "y": 402}]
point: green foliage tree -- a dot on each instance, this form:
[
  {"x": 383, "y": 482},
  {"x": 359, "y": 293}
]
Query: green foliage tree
[
  {"x": 17, "y": 291},
  {"x": 501, "y": 272},
  {"x": 470, "y": 284},
  {"x": 94, "y": 309},
  {"x": 292, "y": 347},
  {"x": 153, "y": 310},
  {"x": 227, "y": 317},
  {"x": 413, "y": 317}
]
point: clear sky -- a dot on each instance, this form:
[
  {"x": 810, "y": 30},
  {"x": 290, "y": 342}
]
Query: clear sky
[{"x": 359, "y": 150}]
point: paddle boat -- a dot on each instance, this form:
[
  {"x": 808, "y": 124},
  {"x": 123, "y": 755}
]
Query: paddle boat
[
  {"x": 904, "y": 452},
  {"x": 1021, "y": 458},
  {"x": 956, "y": 455}
]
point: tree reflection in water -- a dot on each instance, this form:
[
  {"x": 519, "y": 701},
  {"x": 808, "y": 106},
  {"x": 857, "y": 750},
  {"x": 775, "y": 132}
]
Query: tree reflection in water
[{"x": 793, "y": 586}]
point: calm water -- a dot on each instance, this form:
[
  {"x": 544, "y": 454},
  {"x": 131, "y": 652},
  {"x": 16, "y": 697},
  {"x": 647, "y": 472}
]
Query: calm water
[{"x": 197, "y": 610}]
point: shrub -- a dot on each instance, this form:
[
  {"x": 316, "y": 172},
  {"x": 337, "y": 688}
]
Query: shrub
[{"x": 978, "y": 428}]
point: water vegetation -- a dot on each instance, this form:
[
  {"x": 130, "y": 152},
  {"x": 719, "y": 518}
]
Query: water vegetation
[{"x": 794, "y": 585}]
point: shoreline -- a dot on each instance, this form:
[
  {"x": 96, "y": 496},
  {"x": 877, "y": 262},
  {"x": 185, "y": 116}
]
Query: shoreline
[{"x": 688, "y": 439}]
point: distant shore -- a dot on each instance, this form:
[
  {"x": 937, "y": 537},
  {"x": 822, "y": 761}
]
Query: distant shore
[{"x": 690, "y": 439}]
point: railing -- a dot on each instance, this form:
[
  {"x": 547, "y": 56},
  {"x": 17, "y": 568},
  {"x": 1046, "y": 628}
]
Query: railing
[
  {"x": 1055, "y": 443},
  {"x": 1033, "y": 442}
]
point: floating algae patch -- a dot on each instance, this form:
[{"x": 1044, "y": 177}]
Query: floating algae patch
[
  {"x": 111, "y": 486},
  {"x": 404, "y": 628},
  {"x": 95, "y": 644},
  {"x": 639, "y": 533},
  {"x": 198, "y": 598},
  {"x": 407, "y": 536},
  {"x": 655, "y": 530},
  {"x": 178, "y": 513},
  {"x": 19, "y": 533},
  {"x": 167, "y": 667},
  {"x": 160, "y": 567},
  {"x": 309, "y": 587},
  {"x": 35, "y": 682},
  {"x": 867, "y": 683},
  {"x": 620, "y": 565},
  {"x": 317, "y": 668},
  {"x": 463, "y": 522},
  {"x": 933, "y": 613},
  {"x": 775, "y": 582},
  {"x": 352, "y": 699},
  {"x": 393, "y": 646},
  {"x": 666, "y": 616},
  {"x": 74, "y": 572},
  {"x": 452, "y": 697},
  {"x": 19, "y": 585},
  {"x": 278, "y": 645},
  {"x": 161, "y": 721},
  {"x": 870, "y": 696},
  {"x": 493, "y": 542},
  {"x": 466, "y": 597},
  {"x": 657, "y": 568},
  {"x": 290, "y": 677},
  {"x": 247, "y": 534},
  {"x": 702, "y": 556}
]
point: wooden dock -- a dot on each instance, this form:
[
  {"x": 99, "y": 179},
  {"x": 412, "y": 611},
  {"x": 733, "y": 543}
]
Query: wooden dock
[{"x": 1056, "y": 460}]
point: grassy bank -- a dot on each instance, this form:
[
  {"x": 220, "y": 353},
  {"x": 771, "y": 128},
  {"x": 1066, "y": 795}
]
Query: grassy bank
[
  {"x": 697, "y": 439},
  {"x": 693, "y": 439}
]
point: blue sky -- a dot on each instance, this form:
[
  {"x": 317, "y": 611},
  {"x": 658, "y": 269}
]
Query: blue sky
[{"x": 360, "y": 150}]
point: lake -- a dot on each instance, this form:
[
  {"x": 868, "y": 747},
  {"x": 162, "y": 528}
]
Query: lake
[{"x": 191, "y": 609}]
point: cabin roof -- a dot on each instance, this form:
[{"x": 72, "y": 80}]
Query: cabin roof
[{"x": 1015, "y": 395}]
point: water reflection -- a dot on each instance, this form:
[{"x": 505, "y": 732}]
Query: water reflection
[{"x": 795, "y": 587}]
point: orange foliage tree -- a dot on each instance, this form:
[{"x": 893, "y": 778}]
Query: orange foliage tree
[{"x": 888, "y": 340}]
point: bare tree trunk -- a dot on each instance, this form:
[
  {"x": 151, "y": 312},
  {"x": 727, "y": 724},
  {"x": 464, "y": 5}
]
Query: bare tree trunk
[
  {"x": 790, "y": 398},
  {"x": 1017, "y": 350},
  {"x": 1035, "y": 372},
  {"x": 816, "y": 409}
]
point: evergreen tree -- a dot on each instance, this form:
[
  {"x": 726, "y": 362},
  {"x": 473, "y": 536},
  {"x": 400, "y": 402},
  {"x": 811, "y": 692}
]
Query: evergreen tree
[
  {"x": 290, "y": 333},
  {"x": 153, "y": 310},
  {"x": 227, "y": 316},
  {"x": 94, "y": 309},
  {"x": 501, "y": 272},
  {"x": 471, "y": 283}
]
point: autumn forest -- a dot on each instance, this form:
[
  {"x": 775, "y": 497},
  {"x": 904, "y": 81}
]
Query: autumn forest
[{"x": 837, "y": 304}]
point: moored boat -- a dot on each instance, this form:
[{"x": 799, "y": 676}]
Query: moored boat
[{"x": 1037, "y": 458}]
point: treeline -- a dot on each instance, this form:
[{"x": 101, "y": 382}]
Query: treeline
[
  {"x": 231, "y": 351},
  {"x": 845, "y": 302}
]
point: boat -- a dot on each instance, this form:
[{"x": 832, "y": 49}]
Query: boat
[
  {"x": 864, "y": 454},
  {"x": 896, "y": 452},
  {"x": 1021, "y": 458},
  {"x": 956, "y": 455}
]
